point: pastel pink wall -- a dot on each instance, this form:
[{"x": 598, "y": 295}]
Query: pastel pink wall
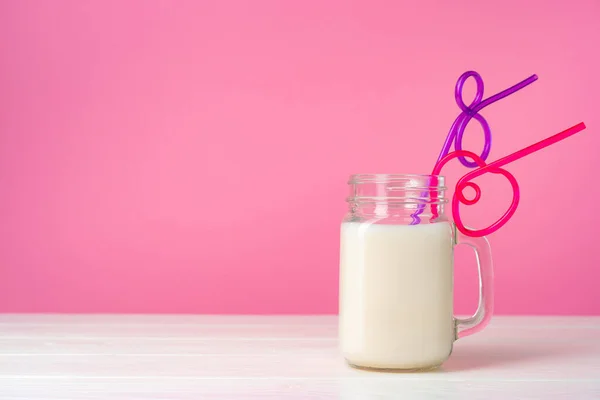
[{"x": 191, "y": 156}]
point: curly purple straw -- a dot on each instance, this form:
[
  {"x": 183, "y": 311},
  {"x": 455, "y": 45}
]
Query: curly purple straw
[{"x": 457, "y": 130}]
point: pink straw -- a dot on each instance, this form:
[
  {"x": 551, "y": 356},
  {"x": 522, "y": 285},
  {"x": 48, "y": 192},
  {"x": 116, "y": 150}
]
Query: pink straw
[{"x": 494, "y": 168}]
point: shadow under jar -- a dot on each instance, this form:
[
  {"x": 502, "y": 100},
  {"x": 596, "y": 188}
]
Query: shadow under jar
[{"x": 396, "y": 274}]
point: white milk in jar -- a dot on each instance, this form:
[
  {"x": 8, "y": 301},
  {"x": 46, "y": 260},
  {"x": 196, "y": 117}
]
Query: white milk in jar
[{"x": 396, "y": 294}]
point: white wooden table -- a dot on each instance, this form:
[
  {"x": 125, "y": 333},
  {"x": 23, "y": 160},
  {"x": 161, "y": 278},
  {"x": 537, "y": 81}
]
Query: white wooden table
[{"x": 281, "y": 357}]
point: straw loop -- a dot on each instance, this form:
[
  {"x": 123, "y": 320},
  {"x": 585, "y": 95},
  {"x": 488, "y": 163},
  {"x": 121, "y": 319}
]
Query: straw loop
[
  {"x": 464, "y": 182},
  {"x": 494, "y": 168}
]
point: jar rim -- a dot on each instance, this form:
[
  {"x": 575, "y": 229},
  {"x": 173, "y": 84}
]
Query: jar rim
[{"x": 385, "y": 178}]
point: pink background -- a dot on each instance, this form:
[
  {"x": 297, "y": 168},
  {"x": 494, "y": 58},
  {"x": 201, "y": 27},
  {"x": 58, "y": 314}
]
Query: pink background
[{"x": 190, "y": 156}]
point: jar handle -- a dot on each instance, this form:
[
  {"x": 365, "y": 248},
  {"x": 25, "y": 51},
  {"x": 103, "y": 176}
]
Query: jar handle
[{"x": 485, "y": 309}]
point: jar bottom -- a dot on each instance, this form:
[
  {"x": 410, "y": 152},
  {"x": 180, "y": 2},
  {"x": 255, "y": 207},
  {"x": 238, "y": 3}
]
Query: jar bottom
[{"x": 395, "y": 370}]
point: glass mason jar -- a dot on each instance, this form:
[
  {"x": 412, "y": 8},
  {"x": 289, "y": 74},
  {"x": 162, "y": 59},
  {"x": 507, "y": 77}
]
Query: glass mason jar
[{"x": 396, "y": 274}]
